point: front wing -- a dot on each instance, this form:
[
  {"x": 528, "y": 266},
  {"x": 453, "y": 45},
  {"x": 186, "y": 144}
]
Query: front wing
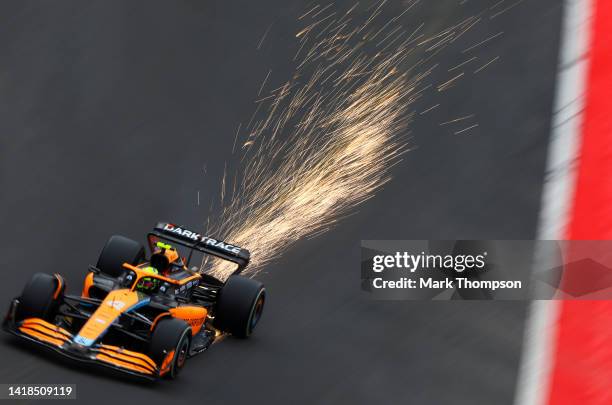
[{"x": 59, "y": 340}]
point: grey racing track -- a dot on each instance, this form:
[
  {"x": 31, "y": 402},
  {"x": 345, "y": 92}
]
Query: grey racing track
[{"x": 114, "y": 115}]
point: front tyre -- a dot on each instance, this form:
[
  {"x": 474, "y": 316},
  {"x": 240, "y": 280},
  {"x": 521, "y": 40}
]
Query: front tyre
[
  {"x": 240, "y": 306},
  {"x": 40, "y": 297},
  {"x": 170, "y": 344}
]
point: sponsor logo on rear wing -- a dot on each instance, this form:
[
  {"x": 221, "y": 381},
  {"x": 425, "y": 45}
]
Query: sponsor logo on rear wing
[{"x": 192, "y": 237}]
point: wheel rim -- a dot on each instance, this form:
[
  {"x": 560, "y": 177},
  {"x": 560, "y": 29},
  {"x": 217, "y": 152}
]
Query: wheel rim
[
  {"x": 182, "y": 353},
  {"x": 257, "y": 311}
]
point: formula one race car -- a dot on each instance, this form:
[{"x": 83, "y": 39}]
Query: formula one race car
[{"x": 143, "y": 317}]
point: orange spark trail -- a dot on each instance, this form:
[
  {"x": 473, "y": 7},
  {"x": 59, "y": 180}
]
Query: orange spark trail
[{"x": 324, "y": 142}]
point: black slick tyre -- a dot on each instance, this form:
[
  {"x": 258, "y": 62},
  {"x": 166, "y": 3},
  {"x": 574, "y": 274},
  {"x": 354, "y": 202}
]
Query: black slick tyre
[
  {"x": 38, "y": 298},
  {"x": 170, "y": 335},
  {"x": 240, "y": 306}
]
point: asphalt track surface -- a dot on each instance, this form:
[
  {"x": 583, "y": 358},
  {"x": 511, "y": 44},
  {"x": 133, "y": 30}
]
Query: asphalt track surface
[{"x": 109, "y": 112}]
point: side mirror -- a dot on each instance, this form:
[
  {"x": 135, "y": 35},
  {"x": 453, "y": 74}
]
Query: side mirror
[{"x": 128, "y": 279}]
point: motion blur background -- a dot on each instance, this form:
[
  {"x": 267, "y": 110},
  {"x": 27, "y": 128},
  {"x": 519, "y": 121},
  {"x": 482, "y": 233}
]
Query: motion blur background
[{"x": 114, "y": 115}]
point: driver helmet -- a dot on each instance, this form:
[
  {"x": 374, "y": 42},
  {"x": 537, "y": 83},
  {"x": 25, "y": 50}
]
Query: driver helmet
[{"x": 148, "y": 284}]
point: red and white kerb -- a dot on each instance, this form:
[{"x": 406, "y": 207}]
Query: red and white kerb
[{"x": 568, "y": 344}]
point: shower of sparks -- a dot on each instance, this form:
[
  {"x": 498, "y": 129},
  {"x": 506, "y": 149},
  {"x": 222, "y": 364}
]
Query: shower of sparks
[
  {"x": 462, "y": 64},
  {"x": 324, "y": 142},
  {"x": 236, "y": 137},
  {"x": 494, "y": 6},
  {"x": 506, "y": 9},
  {"x": 429, "y": 109},
  {"x": 446, "y": 85},
  {"x": 466, "y": 129},
  {"x": 483, "y": 42},
  {"x": 263, "y": 38},
  {"x": 483, "y": 67},
  {"x": 263, "y": 84},
  {"x": 467, "y": 117}
]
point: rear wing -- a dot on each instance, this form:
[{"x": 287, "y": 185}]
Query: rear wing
[{"x": 183, "y": 236}]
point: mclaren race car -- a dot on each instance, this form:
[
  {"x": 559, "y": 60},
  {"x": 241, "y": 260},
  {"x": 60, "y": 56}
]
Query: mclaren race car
[{"x": 141, "y": 316}]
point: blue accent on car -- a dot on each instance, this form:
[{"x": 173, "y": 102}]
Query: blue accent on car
[
  {"x": 83, "y": 341},
  {"x": 88, "y": 342}
]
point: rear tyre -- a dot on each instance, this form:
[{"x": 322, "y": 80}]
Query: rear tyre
[
  {"x": 170, "y": 335},
  {"x": 38, "y": 299},
  {"x": 240, "y": 305},
  {"x": 119, "y": 250}
]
